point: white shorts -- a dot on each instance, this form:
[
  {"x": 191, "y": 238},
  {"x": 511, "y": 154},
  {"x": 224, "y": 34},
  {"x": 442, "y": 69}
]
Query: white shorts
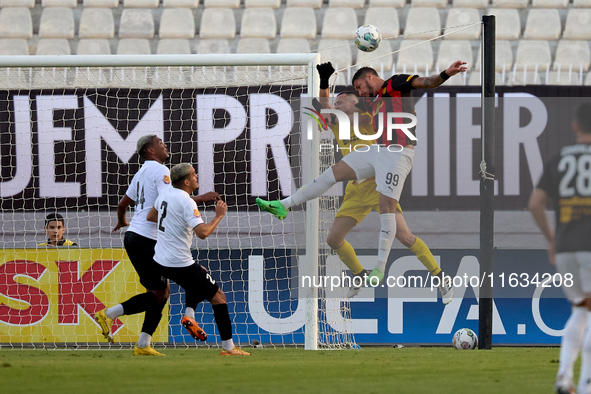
[
  {"x": 389, "y": 167},
  {"x": 579, "y": 265}
]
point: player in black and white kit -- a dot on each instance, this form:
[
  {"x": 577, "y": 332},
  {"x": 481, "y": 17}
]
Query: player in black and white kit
[
  {"x": 152, "y": 179},
  {"x": 177, "y": 218},
  {"x": 567, "y": 182}
]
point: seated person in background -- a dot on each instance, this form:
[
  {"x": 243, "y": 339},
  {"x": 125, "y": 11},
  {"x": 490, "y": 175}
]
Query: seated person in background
[{"x": 55, "y": 228}]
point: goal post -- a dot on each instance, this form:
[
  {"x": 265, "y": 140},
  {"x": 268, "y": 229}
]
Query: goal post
[{"x": 68, "y": 133}]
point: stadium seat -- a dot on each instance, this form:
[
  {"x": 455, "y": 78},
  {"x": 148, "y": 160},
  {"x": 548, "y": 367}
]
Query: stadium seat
[
  {"x": 17, "y": 3},
  {"x": 293, "y": 45},
  {"x": 338, "y": 52},
  {"x": 180, "y": 3},
  {"x": 542, "y": 25},
  {"x": 15, "y": 23},
  {"x": 503, "y": 56},
  {"x": 385, "y": 19},
  {"x": 572, "y": 52},
  {"x": 508, "y": 23},
  {"x": 173, "y": 46},
  {"x": 339, "y": 23},
  {"x": 304, "y": 3},
  {"x": 136, "y": 23},
  {"x": 101, "y": 3},
  {"x": 298, "y": 22},
  {"x": 13, "y": 46},
  {"x": 383, "y": 53},
  {"x": 581, "y": 3},
  {"x": 51, "y": 46},
  {"x": 134, "y": 46},
  {"x": 461, "y": 17},
  {"x": 222, "y": 3},
  {"x": 177, "y": 23},
  {"x": 253, "y": 45},
  {"x": 510, "y": 3},
  {"x": 93, "y": 47},
  {"x": 422, "y": 23},
  {"x": 213, "y": 46},
  {"x": 421, "y": 55},
  {"x": 59, "y": 3},
  {"x": 387, "y": 3},
  {"x": 262, "y": 3},
  {"x": 346, "y": 3},
  {"x": 588, "y": 80},
  {"x": 429, "y": 3},
  {"x": 530, "y": 78},
  {"x": 56, "y": 22},
  {"x": 452, "y": 50},
  {"x": 140, "y": 3},
  {"x": 470, "y": 3},
  {"x": 549, "y": 3},
  {"x": 212, "y": 18},
  {"x": 531, "y": 53},
  {"x": 258, "y": 23},
  {"x": 565, "y": 78},
  {"x": 96, "y": 23},
  {"x": 578, "y": 25},
  {"x": 474, "y": 79}
]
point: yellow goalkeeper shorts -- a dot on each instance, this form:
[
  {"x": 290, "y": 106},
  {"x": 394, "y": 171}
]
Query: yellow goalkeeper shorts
[{"x": 360, "y": 199}]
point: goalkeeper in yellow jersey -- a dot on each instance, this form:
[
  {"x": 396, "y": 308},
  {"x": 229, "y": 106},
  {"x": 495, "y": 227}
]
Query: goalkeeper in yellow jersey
[{"x": 361, "y": 197}]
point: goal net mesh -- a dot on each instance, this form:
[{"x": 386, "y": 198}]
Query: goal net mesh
[{"x": 68, "y": 140}]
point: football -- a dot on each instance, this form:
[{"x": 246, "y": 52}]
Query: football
[
  {"x": 368, "y": 38},
  {"x": 465, "y": 338}
]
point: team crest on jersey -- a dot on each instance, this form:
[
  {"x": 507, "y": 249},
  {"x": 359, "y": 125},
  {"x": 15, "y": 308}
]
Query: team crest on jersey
[
  {"x": 166, "y": 179},
  {"x": 196, "y": 213}
]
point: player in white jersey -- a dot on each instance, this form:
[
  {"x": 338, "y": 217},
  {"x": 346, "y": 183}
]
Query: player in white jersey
[
  {"x": 152, "y": 179},
  {"x": 177, "y": 218}
]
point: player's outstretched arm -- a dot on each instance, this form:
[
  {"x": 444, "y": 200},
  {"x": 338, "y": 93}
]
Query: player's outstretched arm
[
  {"x": 121, "y": 210},
  {"x": 204, "y": 230},
  {"x": 325, "y": 70},
  {"x": 435, "y": 80},
  {"x": 210, "y": 196}
]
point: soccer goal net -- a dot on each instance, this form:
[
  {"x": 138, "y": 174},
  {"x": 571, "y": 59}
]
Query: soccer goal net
[{"x": 69, "y": 127}]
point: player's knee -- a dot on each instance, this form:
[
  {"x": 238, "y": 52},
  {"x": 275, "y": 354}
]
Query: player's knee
[
  {"x": 218, "y": 298},
  {"x": 335, "y": 242},
  {"x": 162, "y": 295}
]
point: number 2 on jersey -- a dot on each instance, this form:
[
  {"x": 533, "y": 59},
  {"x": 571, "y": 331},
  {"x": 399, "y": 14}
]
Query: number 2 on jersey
[{"x": 164, "y": 205}]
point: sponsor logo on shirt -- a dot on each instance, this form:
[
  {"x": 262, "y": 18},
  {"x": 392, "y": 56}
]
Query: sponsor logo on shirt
[
  {"x": 196, "y": 213},
  {"x": 166, "y": 179}
]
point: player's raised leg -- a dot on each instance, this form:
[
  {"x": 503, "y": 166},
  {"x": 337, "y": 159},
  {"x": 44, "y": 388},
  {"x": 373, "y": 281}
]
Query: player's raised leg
[
  {"x": 423, "y": 253},
  {"x": 280, "y": 208}
]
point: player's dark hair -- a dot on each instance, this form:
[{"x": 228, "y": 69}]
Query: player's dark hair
[
  {"x": 144, "y": 143},
  {"x": 583, "y": 118},
  {"x": 362, "y": 73},
  {"x": 347, "y": 93},
  {"x": 54, "y": 217}
]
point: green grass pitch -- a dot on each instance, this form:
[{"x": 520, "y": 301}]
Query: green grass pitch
[{"x": 370, "y": 370}]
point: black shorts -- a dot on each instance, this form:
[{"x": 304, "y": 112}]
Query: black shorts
[
  {"x": 140, "y": 251},
  {"x": 198, "y": 284}
]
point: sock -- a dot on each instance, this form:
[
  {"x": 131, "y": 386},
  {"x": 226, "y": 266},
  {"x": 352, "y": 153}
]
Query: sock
[
  {"x": 222, "y": 320},
  {"x": 152, "y": 318},
  {"x": 144, "y": 340},
  {"x": 190, "y": 312},
  {"x": 572, "y": 339},
  {"x": 314, "y": 189},
  {"x": 228, "y": 344},
  {"x": 347, "y": 255},
  {"x": 387, "y": 234},
  {"x": 115, "y": 312},
  {"x": 139, "y": 303},
  {"x": 585, "y": 377},
  {"x": 425, "y": 256}
]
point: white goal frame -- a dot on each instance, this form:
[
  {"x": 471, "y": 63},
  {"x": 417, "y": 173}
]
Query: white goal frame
[{"x": 312, "y": 168}]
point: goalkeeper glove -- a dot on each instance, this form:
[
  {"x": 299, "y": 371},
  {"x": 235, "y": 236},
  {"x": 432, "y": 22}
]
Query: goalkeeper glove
[{"x": 325, "y": 70}]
